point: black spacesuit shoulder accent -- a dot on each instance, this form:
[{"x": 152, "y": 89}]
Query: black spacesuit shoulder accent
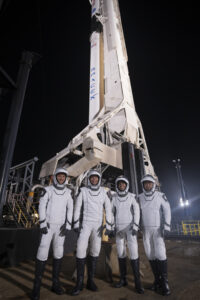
[
  {"x": 164, "y": 197},
  {"x": 42, "y": 192}
]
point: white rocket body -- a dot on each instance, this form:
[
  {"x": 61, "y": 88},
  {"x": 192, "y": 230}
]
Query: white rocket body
[{"x": 112, "y": 116}]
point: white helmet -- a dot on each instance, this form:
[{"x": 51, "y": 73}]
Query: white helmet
[
  {"x": 55, "y": 182},
  {"x": 150, "y": 178},
  {"x": 90, "y": 185},
  {"x": 125, "y": 192}
]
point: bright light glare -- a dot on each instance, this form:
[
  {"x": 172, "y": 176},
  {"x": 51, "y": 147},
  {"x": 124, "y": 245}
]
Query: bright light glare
[
  {"x": 186, "y": 202},
  {"x": 181, "y": 202}
]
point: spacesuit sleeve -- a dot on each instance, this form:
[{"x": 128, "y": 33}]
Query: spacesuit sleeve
[
  {"x": 70, "y": 205},
  {"x": 136, "y": 214},
  {"x": 42, "y": 209},
  {"x": 166, "y": 212},
  {"x": 108, "y": 210},
  {"x": 77, "y": 209}
]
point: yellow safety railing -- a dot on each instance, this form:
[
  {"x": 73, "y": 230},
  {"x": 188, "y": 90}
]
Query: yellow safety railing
[
  {"x": 21, "y": 216},
  {"x": 35, "y": 215},
  {"x": 191, "y": 227},
  {"x": 19, "y": 206}
]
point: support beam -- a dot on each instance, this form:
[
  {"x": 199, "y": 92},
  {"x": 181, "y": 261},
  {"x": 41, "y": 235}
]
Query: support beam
[
  {"x": 133, "y": 166},
  {"x": 27, "y": 59}
]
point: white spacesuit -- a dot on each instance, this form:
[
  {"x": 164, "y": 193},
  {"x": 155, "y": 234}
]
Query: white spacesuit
[
  {"x": 55, "y": 213},
  {"x": 93, "y": 199},
  {"x": 156, "y": 219},
  {"x": 126, "y": 214}
]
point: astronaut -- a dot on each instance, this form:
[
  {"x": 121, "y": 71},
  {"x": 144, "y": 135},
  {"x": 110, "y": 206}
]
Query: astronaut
[
  {"x": 156, "y": 218},
  {"x": 55, "y": 213},
  {"x": 126, "y": 213},
  {"x": 93, "y": 199}
]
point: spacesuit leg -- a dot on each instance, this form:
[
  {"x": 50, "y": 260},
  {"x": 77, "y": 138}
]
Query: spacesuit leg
[
  {"x": 39, "y": 270},
  {"x": 82, "y": 242},
  {"x": 121, "y": 246},
  {"x": 164, "y": 278},
  {"x": 92, "y": 261},
  {"x": 149, "y": 246},
  {"x": 132, "y": 245},
  {"x": 95, "y": 247},
  {"x": 135, "y": 264},
  {"x": 148, "y": 242},
  {"x": 156, "y": 272},
  {"x": 95, "y": 242},
  {"x": 43, "y": 250},
  {"x": 82, "y": 245},
  {"x": 58, "y": 243},
  {"x": 121, "y": 252},
  {"x": 159, "y": 245},
  {"x": 58, "y": 249},
  {"x": 80, "y": 266},
  {"x": 41, "y": 258},
  {"x": 133, "y": 252},
  {"x": 160, "y": 252}
]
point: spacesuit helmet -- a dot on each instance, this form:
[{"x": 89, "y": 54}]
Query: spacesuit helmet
[
  {"x": 94, "y": 186},
  {"x": 55, "y": 181},
  {"x": 117, "y": 181},
  {"x": 150, "y": 178}
]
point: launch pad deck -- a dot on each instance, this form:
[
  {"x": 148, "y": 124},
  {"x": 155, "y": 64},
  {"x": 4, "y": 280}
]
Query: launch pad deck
[{"x": 184, "y": 276}]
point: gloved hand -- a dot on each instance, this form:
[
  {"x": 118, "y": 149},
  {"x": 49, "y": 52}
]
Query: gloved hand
[
  {"x": 110, "y": 233},
  {"x": 44, "y": 230},
  {"x": 100, "y": 230},
  {"x": 134, "y": 232},
  {"x": 63, "y": 230},
  {"x": 77, "y": 230},
  {"x": 164, "y": 232}
]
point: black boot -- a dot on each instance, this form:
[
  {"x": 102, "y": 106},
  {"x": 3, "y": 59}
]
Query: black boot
[
  {"x": 56, "y": 287},
  {"x": 122, "y": 269},
  {"x": 136, "y": 272},
  {"x": 92, "y": 261},
  {"x": 164, "y": 280},
  {"x": 155, "y": 269},
  {"x": 39, "y": 270},
  {"x": 80, "y": 266}
]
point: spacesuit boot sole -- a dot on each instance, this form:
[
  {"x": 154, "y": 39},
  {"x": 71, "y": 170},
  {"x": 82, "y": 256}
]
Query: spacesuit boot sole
[
  {"x": 166, "y": 291},
  {"x": 139, "y": 290},
  {"x": 58, "y": 290},
  {"x": 121, "y": 283},
  {"x": 76, "y": 290},
  {"x": 92, "y": 286}
]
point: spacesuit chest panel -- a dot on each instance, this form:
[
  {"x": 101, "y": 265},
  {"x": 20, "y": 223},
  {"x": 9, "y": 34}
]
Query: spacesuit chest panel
[
  {"x": 123, "y": 210},
  {"x": 93, "y": 205},
  {"x": 56, "y": 207},
  {"x": 150, "y": 210}
]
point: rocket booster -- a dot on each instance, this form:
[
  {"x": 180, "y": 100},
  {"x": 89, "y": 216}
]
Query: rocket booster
[{"x": 95, "y": 41}]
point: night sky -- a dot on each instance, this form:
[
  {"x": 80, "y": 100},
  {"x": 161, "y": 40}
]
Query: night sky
[{"x": 162, "y": 42}]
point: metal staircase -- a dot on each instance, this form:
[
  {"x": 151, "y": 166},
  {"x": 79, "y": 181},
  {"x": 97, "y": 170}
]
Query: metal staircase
[{"x": 18, "y": 211}]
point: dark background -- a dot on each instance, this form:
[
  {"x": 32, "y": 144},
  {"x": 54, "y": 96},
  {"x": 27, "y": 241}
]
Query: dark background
[{"x": 163, "y": 50}]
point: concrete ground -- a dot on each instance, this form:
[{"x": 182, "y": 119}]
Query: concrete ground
[{"x": 184, "y": 276}]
